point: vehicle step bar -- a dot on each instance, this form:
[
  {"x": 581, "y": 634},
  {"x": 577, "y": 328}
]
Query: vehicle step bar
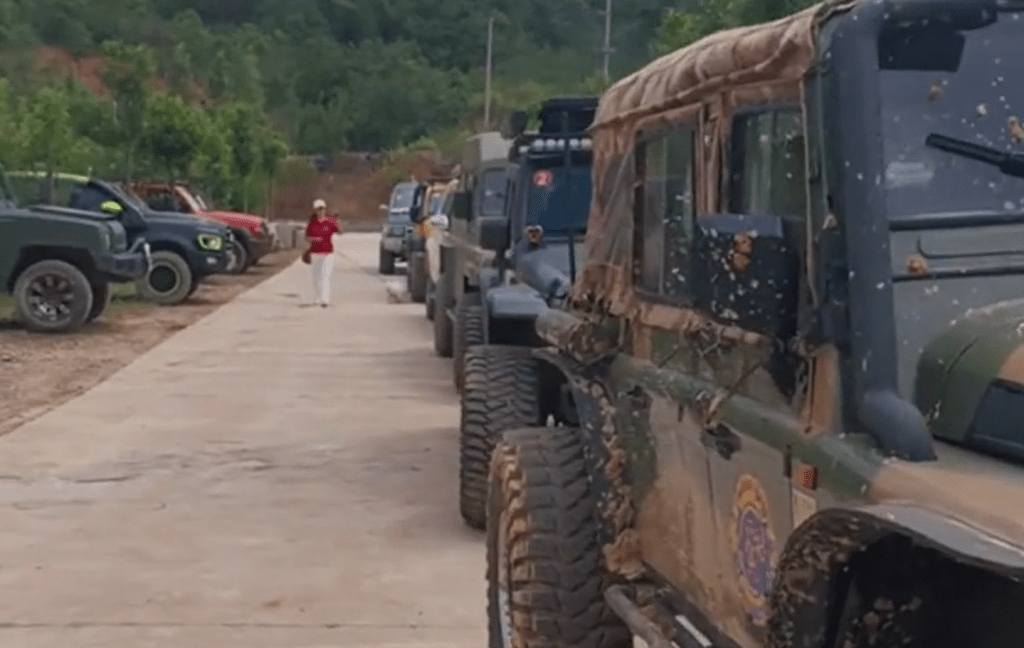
[{"x": 622, "y": 604}]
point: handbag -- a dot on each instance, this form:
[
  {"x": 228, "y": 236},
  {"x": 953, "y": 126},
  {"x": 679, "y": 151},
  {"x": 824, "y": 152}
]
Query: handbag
[{"x": 307, "y": 256}]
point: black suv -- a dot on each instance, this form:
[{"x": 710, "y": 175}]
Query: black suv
[{"x": 185, "y": 248}]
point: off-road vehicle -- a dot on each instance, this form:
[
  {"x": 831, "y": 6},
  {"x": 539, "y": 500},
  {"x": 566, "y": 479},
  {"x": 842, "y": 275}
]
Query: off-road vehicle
[
  {"x": 253, "y": 239},
  {"x": 394, "y": 235},
  {"x": 467, "y": 259},
  {"x": 185, "y": 248},
  {"x": 435, "y": 190},
  {"x": 436, "y": 228},
  {"x": 58, "y": 266},
  {"x": 792, "y": 366},
  {"x": 546, "y": 217}
]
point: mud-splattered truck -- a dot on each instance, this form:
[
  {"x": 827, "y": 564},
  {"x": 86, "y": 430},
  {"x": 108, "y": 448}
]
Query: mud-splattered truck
[
  {"x": 435, "y": 192},
  {"x": 794, "y": 357},
  {"x": 476, "y": 221}
]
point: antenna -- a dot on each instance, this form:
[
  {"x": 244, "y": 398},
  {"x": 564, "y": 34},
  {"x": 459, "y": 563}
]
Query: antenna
[{"x": 568, "y": 199}]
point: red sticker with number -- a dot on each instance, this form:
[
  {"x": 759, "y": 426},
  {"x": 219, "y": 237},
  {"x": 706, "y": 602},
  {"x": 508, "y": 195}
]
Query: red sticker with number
[{"x": 542, "y": 178}]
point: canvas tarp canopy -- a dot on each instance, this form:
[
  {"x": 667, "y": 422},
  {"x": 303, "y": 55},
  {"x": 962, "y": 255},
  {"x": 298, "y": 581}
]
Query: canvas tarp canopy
[{"x": 758, "y": 62}]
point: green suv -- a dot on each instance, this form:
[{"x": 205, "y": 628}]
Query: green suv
[{"x": 58, "y": 263}]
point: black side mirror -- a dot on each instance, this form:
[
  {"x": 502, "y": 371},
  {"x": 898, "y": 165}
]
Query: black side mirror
[
  {"x": 462, "y": 205},
  {"x": 514, "y": 125},
  {"x": 494, "y": 234},
  {"x": 746, "y": 272}
]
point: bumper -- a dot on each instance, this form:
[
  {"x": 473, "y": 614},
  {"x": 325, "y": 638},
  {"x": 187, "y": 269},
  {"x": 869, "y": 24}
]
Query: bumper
[
  {"x": 207, "y": 263},
  {"x": 417, "y": 244},
  {"x": 394, "y": 244},
  {"x": 124, "y": 267},
  {"x": 260, "y": 248}
]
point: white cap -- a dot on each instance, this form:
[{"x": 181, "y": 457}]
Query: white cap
[{"x": 318, "y": 203}]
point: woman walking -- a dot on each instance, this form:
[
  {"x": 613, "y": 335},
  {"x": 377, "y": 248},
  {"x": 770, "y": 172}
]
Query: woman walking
[{"x": 320, "y": 232}]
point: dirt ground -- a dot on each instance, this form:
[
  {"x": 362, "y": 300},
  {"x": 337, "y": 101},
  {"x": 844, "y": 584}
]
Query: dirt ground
[{"x": 39, "y": 372}]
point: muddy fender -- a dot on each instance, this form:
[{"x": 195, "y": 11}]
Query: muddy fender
[
  {"x": 823, "y": 545},
  {"x": 606, "y": 460},
  {"x": 516, "y": 302}
]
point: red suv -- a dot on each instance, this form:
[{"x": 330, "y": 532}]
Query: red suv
[{"x": 253, "y": 238}]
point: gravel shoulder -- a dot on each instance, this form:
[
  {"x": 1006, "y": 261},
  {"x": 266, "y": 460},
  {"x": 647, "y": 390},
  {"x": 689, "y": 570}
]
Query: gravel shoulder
[{"x": 39, "y": 372}]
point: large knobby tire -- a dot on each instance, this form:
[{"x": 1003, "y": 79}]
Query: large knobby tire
[
  {"x": 52, "y": 297},
  {"x": 442, "y": 324},
  {"x": 100, "y": 299},
  {"x": 501, "y": 392},
  {"x": 430, "y": 300},
  {"x": 545, "y": 568},
  {"x": 469, "y": 331},
  {"x": 386, "y": 262},
  {"x": 417, "y": 278},
  {"x": 169, "y": 281}
]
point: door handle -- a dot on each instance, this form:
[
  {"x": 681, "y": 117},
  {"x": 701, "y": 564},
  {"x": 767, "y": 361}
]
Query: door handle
[
  {"x": 639, "y": 397},
  {"x": 722, "y": 439}
]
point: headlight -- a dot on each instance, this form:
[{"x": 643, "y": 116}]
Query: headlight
[{"x": 210, "y": 242}]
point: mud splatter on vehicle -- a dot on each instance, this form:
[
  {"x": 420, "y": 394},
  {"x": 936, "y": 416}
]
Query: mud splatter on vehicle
[{"x": 790, "y": 375}]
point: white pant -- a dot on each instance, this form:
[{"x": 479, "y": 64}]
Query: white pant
[{"x": 323, "y": 265}]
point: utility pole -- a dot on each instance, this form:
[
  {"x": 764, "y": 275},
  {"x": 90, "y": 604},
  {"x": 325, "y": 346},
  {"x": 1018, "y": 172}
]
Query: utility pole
[
  {"x": 607, "y": 49},
  {"x": 487, "y": 82}
]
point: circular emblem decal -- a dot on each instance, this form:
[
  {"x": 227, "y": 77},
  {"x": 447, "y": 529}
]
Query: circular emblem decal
[
  {"x": 542, "y": 178},
  {"x": 755, "y": 546}
]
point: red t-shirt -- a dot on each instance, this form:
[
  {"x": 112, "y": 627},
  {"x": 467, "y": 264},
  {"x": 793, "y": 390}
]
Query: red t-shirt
[{"x": 324, "y": 229}]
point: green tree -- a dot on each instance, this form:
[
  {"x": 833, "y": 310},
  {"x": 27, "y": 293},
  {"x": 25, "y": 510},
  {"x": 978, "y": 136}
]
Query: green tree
[
  {"x": 174, "y": 134},
  {"x": 242, "y": 125},
  {"x": 273, "y": 151},
  {"x": 48, "y": 134},
  {"x": 128, "y": 71}
]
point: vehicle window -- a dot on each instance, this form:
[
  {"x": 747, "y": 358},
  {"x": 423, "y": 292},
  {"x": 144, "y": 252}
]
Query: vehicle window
[
  {"x": 665, "y": 214},
  {"x": 558, "y": 198},
  {"x": 403, "y": 198},
  {"x": 87, "y": 198},
  {"x": 437, "y": 204},
  {"x": 163, "y": 202},
  {"x": 769, "y": 176},
  {"x": 492, "y": 200}
]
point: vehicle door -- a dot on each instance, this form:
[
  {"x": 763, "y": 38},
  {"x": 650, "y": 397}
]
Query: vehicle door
[
  {"x": 488, "y": 202},
  {"x": 653, "y": 379},
  {"x": 752, "y": 414}
]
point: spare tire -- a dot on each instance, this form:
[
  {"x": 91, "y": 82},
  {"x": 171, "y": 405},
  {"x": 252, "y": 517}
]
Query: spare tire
[{"x": 169, "y": 281}]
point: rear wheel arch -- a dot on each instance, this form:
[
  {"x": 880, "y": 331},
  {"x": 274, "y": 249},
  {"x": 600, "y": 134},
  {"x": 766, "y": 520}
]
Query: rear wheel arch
[
  {"x": 840, "y": 554},
  {"x": 590, "y": 398},
  {"x": 78, "y": 257}
]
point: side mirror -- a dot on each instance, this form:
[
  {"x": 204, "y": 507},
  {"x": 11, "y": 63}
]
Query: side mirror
[
  {"x": 514, "y": 125},
  {"x": 462, "y": 206},
  {"x": 494, "y": 234},
  {"x": 746, "y": 272},
  {"x": 111, "y": 208}
]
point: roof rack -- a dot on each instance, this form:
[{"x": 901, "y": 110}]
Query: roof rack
[{"x": 553, "y": 137}]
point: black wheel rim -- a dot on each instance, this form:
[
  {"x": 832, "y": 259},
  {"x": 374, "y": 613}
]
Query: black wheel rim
[
  {"x": 50, "y": 297},
  {"x": 163, "y": 279}
]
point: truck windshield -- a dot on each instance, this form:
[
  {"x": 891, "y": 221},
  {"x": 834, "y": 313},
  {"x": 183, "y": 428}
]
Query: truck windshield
[
  {"x": 952, "y": 128},
  {"x": 403, "y": 198},
  {"x": 437, "y": 205},
  {"x": 559, "y": 198},
  {"x": 981, "y": 102}
]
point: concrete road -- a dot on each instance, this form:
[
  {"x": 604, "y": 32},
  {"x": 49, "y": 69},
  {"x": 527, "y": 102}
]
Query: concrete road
[{"x": 274, "y": 476}]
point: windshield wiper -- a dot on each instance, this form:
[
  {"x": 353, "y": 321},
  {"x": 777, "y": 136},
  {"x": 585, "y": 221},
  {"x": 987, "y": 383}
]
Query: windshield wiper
[{"x": 1011, "y": 164}]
